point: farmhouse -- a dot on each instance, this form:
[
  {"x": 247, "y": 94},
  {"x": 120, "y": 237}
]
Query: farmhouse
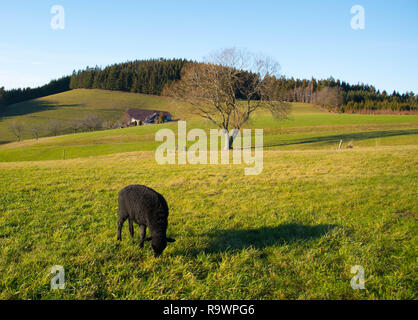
[{"x": 141, "y": 116}]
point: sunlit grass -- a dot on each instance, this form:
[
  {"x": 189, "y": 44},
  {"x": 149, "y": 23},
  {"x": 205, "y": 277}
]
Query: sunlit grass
[
  {"x": 306, "y": 128},
  {"x": 76, "y": 104},
  {"x": 292, "y": 232}
]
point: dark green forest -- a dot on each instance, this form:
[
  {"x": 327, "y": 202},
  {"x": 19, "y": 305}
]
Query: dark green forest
[
  {"x": 340, "y": 96},
  {"x": 12, "y": 96},
  {"x": 141, "y": 76},
  {"x": 151, "y": 76}
]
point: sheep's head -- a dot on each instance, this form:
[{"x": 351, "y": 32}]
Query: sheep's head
[{"x": 159, "y": 244}]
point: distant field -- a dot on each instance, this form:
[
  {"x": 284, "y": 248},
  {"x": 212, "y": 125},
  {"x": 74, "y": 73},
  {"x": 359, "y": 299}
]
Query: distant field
[
  {"x": 75, "y": 104},
  {"x": 293, "y": 232},
  {"x": 306, "y": 128}
]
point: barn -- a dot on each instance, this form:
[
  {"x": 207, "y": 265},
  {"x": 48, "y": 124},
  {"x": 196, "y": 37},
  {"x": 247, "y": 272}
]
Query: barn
[{"x": 142, "y": 116}]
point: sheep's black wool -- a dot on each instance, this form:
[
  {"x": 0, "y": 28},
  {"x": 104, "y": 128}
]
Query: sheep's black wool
[{"x": 147, "y": 208}]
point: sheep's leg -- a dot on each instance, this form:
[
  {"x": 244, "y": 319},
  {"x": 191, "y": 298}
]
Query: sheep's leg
[
  {"x": 142, "y": 232},
  {"x": 120, "y": 225},
  {"x": 131, "y": 228}
]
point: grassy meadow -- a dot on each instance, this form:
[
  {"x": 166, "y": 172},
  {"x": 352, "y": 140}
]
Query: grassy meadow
[
  {"x": 292, "y": 232},
  {"x": 76, "y": 104},
  {"x": 306, "y": 127}
]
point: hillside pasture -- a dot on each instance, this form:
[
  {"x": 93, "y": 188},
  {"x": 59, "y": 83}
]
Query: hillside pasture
[
  {"x": 306, "y": 127},
  {"x": 293, "y": 232},
  {"x": 76, "y": 104}
]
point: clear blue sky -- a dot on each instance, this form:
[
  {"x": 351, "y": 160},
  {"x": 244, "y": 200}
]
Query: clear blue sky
[{"x": 308, "y": 38}]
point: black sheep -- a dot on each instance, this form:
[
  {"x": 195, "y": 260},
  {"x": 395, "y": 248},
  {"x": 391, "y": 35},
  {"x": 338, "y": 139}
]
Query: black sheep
[{"x": 147, "y": 208}]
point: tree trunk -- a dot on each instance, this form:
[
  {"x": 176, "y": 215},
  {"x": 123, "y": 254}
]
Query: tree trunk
[{"x": 229, "y": 139}]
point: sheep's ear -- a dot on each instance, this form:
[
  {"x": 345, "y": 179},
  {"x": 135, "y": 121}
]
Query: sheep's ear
[
  {"x": 148, "y": 239},
  {"x": 171, "y": 240}
]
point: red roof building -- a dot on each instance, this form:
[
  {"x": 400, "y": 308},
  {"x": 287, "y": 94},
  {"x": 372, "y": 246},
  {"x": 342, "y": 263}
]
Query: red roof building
[{"x": 137, "y": 116}]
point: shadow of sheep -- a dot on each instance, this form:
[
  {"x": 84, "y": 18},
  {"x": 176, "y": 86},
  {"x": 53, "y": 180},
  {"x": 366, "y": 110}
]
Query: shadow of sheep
[{"x": 259, "y": 238}]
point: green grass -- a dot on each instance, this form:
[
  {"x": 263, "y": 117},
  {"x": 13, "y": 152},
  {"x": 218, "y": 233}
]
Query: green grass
[
  {"x": 292, "y": 232},
  {"x": 75, "y": 104},
  {"x": 306, "y": 128}
]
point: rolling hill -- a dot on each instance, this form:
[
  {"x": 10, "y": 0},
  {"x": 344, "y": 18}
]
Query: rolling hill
[
  {"x": 306, "y": 128},
  {"x": 75, "y": 104},
  {"x": 292, "y": 232}
]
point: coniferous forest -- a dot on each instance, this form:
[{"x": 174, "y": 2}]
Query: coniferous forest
[
  {"x": 151, "y": 76},
  {"x": 145, "y": 76},
  {"x": 12, "y": 96}
]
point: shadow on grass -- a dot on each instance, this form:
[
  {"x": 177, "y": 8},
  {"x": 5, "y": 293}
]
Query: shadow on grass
[
  {"x": 32, "y": 106},
  {"x": 347, "y": 137},
  {"x": 227, "y": 240}
]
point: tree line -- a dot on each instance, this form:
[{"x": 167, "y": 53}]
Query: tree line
[
  {"x": 340, "y": 96},
  {"x": 12, "y": 96},
  {"x": 140, "y": 76},
  {"x": 154, "y": 75}
]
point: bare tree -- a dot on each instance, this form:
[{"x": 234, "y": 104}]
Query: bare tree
[
  {"x": 229, "y": 87},
  {"x": 75, "y": 125},
  {"x": 35, "y": 130},
  {"x": 17, "y": 128},
  {"x": 92, "y": 121},
  {"x": 329, "y": 96},
  {"x": 55, "y": 126}
]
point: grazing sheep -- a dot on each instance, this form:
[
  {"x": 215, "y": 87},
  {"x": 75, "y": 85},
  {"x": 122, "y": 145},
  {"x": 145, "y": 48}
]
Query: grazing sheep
[{"x": 147, "y": 208}]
